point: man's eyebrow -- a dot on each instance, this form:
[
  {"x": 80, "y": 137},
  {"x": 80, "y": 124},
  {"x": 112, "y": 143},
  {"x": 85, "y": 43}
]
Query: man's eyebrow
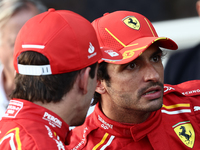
[{"x": 159, "y": 51}]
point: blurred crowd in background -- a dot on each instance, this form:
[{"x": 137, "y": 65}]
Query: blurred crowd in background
[{"x": 154, "y": 10}]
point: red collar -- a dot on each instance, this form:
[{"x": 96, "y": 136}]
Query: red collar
[{"x": 137, "y": 131}]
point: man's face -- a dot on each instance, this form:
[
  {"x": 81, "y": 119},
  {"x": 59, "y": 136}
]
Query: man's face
[
  {"x": 136, "y": 86},
  {"x": 8, "y": 35}
]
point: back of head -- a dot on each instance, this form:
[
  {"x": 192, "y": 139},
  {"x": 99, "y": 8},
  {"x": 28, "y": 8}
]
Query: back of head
[
  {"x": 44, "y": 88},
  {"x": 50, "y": 50},
  {"x": 62, "y": 36}
]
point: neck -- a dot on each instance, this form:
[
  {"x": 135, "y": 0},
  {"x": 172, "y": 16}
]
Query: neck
[
  {"x": 65, "y": 108},
  {"x": 8, "y": 83},
  {"x": 58, "y": 108}
]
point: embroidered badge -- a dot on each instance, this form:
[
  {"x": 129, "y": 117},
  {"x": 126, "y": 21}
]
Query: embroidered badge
[
  {"x": 132, "y": 22},
  {"x": 185, "y": 132}
]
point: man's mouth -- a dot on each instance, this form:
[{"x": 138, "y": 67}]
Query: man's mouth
[{"x": 153, "y": 92}]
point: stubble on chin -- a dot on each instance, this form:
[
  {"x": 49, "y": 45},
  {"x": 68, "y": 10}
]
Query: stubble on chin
[{"x": 154, "y": 104}]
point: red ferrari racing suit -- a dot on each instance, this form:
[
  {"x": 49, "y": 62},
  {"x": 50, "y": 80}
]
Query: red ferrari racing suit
[
  {"x": 27, "y": 126},
  {"x": 174, "y": 127}
]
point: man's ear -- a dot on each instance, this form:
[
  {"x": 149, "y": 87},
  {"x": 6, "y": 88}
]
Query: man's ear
[
  {"x": 198, "y": 7},
  {"x": 100, "y": 87},
  {"x": 84, "y": 79}
]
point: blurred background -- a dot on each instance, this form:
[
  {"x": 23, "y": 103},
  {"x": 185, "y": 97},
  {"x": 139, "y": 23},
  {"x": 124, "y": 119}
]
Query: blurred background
[{"x": 154, "y": 10}]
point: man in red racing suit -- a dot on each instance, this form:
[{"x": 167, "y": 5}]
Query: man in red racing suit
[
  {"x": 31, "y": 126},
  {"x": 175, "y": 126}
]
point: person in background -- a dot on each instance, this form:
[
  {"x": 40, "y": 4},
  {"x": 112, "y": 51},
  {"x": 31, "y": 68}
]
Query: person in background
[
  {"x": 134, "y": 109},
  {"x": 56, "y": 62},
  {"x": 13, "y": 15},
  {"x": 183, "y": 65}
]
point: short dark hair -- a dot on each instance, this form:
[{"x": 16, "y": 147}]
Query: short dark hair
[
  {"x": 44, "y": 88},
  {"x": 102, "y": 74}
]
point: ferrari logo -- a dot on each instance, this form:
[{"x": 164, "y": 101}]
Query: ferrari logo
[
  {"x": 186, "y": 133},
  {"x": 132, "y": 22}
]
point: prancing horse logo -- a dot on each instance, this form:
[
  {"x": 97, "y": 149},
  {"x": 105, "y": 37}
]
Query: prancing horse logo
[
  {"x": 185, "y": 132},
  {"x": 132, "y": 22}
]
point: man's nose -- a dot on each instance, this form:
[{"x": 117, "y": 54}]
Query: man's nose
[{"x": 151, "y": 74}]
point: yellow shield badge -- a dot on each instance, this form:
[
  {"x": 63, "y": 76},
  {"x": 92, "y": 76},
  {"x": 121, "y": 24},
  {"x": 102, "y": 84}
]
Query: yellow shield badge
[
  {"x": 132, "y": 22},
  {"x": 185, "y": 132}
]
